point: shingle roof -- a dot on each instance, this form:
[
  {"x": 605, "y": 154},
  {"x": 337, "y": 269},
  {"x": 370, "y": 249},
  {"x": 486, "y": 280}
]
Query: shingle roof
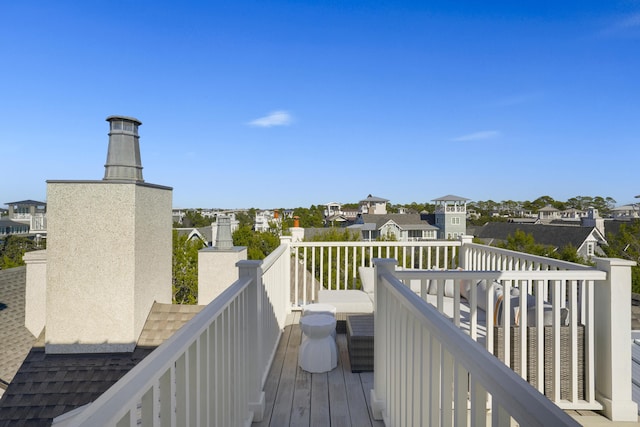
[
  {"x": 15, "y": 338},
  {"x": 26, "y": 202},
  {"x": 371, "y": 198},
  {"x": 48, "y": 385},
  {"x": 557, "y": 236}
]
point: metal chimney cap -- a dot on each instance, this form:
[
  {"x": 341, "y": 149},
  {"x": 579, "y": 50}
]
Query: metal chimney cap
[{"x": 130, "y": 119}]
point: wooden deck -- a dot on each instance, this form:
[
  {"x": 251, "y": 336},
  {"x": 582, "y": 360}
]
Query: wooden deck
[{"x": 297, "y": 398}]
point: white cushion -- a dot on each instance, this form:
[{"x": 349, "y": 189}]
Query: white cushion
[
  {"x": 367, "y": 278},
  {"x": 347, "y": 301}
]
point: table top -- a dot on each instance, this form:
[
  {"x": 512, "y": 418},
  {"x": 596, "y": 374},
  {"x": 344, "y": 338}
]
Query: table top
[
  {"x": 317, "y": 320},
  {"x": 318, "y": 308}
]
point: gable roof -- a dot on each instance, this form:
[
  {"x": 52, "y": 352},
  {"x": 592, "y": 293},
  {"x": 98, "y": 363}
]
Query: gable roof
[
  {"x": 43, "y": 386},
  {"x": 557, "y": 236},
  {"x": 404, "y": 221}
]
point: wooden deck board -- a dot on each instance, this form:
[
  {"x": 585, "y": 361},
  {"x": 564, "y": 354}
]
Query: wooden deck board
[
  {"x": 281, "y": 415},
  {"x": 294, "y": 397},
  {"x": 273, "y": 379},
  {"x": 320, "y": 400}
]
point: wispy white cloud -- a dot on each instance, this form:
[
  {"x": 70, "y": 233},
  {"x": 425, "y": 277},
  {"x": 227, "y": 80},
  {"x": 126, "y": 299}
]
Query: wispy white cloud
[
  {"x": 630, "y": 21},
  {"x": 275, "y": 118},
  {"x": 478, "y": 136},
  {"x": 518, "y": 99},
  {"x": 626, "y": 25}
]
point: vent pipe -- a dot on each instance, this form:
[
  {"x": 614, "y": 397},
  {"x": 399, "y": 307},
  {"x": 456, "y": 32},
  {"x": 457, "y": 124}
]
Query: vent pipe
[{"x": 123, "y": 157}]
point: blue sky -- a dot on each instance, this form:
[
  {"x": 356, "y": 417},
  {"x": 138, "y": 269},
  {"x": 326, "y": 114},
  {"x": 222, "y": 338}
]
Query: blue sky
[{"x": 292, "y": 103}]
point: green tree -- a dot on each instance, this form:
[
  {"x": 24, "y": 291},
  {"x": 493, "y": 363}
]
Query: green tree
[
  {"x": 524, "y": 242},
  {"x": 13, "y": 248},
  {"x": 185, "y": 269},
  {"x": 259, "y": 244},
  {"x": 194, "y": 218},
  {"x": 626, "y": 245}
]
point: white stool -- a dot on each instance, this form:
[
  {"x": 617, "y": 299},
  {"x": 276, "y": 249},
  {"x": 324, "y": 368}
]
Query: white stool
[
  {"x": 318, "y": 308},
  {"x": 318, "y": 351}
]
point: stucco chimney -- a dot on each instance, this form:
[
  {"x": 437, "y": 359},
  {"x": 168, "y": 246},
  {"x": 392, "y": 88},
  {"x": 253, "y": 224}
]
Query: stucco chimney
[
  {"x": 123, "y": 156},
  {"x": 109, "y": 251}
]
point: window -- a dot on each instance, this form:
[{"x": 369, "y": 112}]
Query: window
[
  {"x": 455, "y": 221},
  {"x": 590, "y": 248}
]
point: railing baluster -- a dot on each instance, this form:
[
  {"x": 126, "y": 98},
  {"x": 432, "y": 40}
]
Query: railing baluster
[{"x": 573, "y": 322}]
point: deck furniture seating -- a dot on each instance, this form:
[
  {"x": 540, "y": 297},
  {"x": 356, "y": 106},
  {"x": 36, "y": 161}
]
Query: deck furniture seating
[
  {"x": 318, "y": 352},
  {"x": 532, "y": 355},
  {"x": 360, "y": 328},
  {"x": 350, "y": 301}
]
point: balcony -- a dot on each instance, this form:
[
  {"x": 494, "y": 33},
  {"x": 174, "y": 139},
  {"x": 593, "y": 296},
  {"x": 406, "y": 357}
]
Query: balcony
[{"x": 235, "y": 362}]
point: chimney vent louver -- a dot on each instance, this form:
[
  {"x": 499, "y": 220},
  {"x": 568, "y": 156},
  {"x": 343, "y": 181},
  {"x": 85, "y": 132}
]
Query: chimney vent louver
[
  {"x": 223, "y": 237},
  {"x": 123, "y": 157}
]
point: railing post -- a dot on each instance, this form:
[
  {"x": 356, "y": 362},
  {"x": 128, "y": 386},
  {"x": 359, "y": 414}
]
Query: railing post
[
  {"x": 287, "y": 240},
  {"x": 35, "y": 307},
  {"x": 255, "y": 360},
  {"x": 463, "y": 262},
  {"x": 379, "y": 393},
  {"x": 612, "y": 305}
]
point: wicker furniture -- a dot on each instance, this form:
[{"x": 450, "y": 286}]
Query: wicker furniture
[
  {"x": 532, "y": 353},
  {"x": 360, "y": 342}
]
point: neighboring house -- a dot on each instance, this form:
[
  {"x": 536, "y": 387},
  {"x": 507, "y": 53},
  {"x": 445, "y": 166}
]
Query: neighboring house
[
  {"x": 335, "y": 216},
  {"x": 451, "y": 216},
  {"x": 264, "y": 219},
  {"x": 401, "y": 227},
  {"x": 8, "y": 227},
  {"x": 573, "y": 214},
  {"x": 373, "y": 205},
  {"x": 30, "y": 212},
  {"x": 587, "y": 240},
  {"x": 205, "y": 234},
  {"x": 626, "y": 212},
  {"x": 548, "y": 214}
]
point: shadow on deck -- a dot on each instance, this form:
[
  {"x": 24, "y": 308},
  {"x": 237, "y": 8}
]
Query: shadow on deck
[{"x": 298, "y": 398}]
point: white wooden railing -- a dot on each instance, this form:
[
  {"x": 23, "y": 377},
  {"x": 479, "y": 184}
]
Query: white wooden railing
[
  {"x": 212, "y": 371},
  {"x": 570, "y": 290},
  {"x": 428, "y": 372},
  {"x": 334, "y": 265},
  {"x": 579, "y": 352}
]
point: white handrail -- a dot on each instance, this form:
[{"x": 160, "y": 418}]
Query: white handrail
[
  {"x": 570, "y": 292},
  {"x": 211, "y": 371},
  {"x": 334, "y": 265},
  {"x": 448, "y": 371}
]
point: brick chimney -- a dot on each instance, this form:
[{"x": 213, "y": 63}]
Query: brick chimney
[{"x": 109, "y": 248}]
